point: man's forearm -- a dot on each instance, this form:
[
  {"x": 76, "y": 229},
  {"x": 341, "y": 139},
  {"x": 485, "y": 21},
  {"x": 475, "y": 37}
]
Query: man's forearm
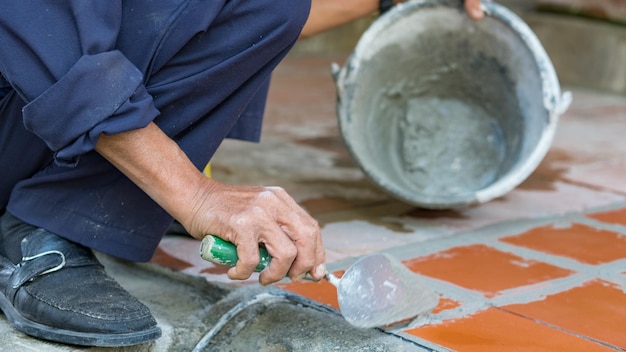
[
  {"x": 157, "y": 165},
  {"x": 244, "y": 215}
]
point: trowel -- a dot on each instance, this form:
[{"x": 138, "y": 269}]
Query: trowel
[{"x": 377, "y": 290}]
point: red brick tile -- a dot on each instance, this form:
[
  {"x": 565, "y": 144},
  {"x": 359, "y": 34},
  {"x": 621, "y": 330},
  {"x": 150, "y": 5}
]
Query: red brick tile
[
  {"x": 581, "y": 242},
  {"x": 496, "y": 330},
  {"x": 484, "y": 269},
  {"x": 613, "y": 217},
  {"x": 322, "y": 291},
  {"x": 597, "y": 310},
  {"x": 215, "y": 270},
  {"x": 445, "y": 304},
  {"x": 163, "y": 258}
]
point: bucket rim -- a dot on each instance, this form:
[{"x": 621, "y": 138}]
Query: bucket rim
[{"x": 554, "y": 102}]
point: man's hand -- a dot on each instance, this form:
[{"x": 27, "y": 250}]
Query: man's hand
[
  {"x": 244, "y": 215},
  {"x": 473, "y": 9},
  {"x": 248, "y": 216}
]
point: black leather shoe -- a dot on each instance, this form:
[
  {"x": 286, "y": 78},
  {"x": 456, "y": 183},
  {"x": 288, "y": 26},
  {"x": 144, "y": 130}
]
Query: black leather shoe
[{"x": 60, "y": 292}]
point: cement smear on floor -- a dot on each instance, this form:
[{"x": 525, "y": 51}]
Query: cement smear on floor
[
  {"x": 291, "y": 326},
  {"x": 188, "y": 307}
]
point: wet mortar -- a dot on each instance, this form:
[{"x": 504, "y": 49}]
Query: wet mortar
[
  {"x": 419, "y": 123},
  {"x": 466, "y": 143},
  {"x": 291, "y": 327}
]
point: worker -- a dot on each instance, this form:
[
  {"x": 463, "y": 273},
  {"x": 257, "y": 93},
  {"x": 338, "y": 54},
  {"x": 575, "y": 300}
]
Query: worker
[{"x": 109, "y": 110}]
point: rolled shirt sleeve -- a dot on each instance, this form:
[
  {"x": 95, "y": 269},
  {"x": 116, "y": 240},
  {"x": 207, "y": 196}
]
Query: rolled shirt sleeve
[{"x": 64, "y": 64}]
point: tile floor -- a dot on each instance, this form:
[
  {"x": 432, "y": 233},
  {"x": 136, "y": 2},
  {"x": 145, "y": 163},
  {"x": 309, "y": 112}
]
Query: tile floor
[{"x": 541, "y": 269}]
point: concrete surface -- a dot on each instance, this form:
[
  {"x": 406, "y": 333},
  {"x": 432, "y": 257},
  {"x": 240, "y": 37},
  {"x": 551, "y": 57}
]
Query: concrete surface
[{"x": 187, "y": 307}]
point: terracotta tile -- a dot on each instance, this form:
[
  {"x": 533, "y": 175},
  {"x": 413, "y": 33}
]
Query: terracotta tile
[
  {"x": 581, "y": 242},
  {"x": 496, "y": 330},
  {"x": 322, "y": 291},
  {"x": 613, "y": 217},
  {"x": 163, "y": 258},
  {"x": 215, "y": 270},
  {"x": 597, "y": 310},
  {"x": 484, "y": 269},
  {"x": 446, "y": 304}
]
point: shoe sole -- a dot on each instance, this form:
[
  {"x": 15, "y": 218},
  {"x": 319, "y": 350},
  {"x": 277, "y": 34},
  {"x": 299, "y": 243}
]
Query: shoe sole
[{"x": 74, "y": 337}]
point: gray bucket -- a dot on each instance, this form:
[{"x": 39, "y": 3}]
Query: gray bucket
[{"x": 442, "y": 111}]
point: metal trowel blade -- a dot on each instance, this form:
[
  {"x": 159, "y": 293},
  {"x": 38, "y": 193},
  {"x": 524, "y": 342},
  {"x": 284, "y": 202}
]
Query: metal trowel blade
[{"x": 379, "y": 290}]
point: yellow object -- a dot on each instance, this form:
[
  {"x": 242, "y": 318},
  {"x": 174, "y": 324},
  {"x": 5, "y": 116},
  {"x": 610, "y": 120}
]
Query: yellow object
[{"x": 207, "y": 170}]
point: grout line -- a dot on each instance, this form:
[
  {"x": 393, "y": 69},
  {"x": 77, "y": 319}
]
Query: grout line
[
  {"x": 558, "y": 328},
  {"x": 601, "y": 225},
  {"x": 615, "y": 278},
  {"x": 504, "y": 229},
  {"x": 476, "y": 236},
  {"x": 452, "y": 291},
  {"x": 609, "y": 271},
  {"x": 491, "y": 232},
  {"x": 553, "y": 259},
  {"x": 539, "y": 291},
  {"x": 605, "y": 208},
  {"x": 431, "y": 346},
  {"x": 471, "y": 302},
  {"x": 463, "y": 311}
]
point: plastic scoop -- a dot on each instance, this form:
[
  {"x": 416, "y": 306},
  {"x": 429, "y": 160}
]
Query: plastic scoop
[{"x": 376, "y": 290}]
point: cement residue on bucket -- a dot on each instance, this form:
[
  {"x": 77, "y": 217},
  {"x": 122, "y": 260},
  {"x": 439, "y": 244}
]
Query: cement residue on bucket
[
  {"x": 450, "y": 146},
  {"x": 443, "y": 111}
]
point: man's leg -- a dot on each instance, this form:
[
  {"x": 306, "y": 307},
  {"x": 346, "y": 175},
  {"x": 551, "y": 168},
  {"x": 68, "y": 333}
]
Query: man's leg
[
  {"x": 212, "y": 87},
  {"x": 22, "y": 153},
  {"x": 203, "y": 88},
  {"x": 50, "y": 287}
]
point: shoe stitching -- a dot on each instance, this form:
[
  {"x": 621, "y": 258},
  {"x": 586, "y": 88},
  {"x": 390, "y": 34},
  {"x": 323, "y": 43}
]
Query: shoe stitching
[{"x": 109, "y": 317}]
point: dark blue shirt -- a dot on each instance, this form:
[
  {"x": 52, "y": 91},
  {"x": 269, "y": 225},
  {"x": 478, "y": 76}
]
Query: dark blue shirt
[{"x": 81, "y": 66}]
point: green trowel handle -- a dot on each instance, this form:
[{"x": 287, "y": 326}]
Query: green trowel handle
[{"x": 218, "y": 251}]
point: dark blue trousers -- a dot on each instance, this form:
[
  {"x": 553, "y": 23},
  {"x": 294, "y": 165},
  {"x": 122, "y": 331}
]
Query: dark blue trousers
[{"x": 204, "y": 68}]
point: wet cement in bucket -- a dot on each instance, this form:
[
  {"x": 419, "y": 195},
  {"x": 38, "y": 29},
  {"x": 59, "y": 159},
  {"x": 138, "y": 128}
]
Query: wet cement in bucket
[
  {"x": 450, "y": 146},
  {"x": 437, "y": 107},
  {"x": 438, "y": 134}
]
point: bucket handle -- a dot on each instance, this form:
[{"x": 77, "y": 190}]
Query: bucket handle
[{"x": 563, "y": 103}]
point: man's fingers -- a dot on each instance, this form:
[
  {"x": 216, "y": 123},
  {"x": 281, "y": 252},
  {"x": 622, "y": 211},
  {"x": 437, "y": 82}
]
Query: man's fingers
[
  {"x": 319, "y": 269},
  {"x": 310, "y": 252},
  {"x": 304, "y": 234},
  {"x": 473, "y": 9},
  {"x": 249, "y": 258},
  {"x": 321, "y": 259},
  {"x": 291, "y": 236},
  {"x": 304, "y": 231},
  {"x": 283, "y": 252}
]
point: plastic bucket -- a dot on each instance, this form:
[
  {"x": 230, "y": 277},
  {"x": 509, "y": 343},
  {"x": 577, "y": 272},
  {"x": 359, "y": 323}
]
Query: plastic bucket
[{"x": 442, "y": 111}]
